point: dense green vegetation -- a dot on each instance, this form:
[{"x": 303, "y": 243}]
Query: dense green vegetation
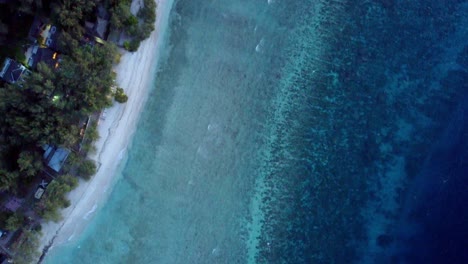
[
  {"x": 26, "y": 247},
  {"x": 70, "y": 13},
  {"x": 137, "y": 27},
  {"x": 120, "y": 95},
  {"x": 14, "y": 222},
  {"x": 49, "y": 105},
  {"x": 86, "y": 169},
  {"x": 11, "y": 221},
  {"x": 54, "y": 197}
]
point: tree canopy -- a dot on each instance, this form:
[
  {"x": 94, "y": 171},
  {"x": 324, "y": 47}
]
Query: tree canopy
[
  {"x": 137, "y": 27},
  {"x": 46, "y": 108},
  {"x": 49, "y": 104},
  {"x": 54, "y": 198},
  {"x": 71, "y": 12},
  {"x": 27, "y": 248}
]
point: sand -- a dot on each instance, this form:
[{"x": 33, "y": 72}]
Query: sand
[{"x": 135, "y": 74}]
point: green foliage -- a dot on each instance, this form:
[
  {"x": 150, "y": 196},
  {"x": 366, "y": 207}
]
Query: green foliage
[
  {"x": 69, "y": 180},
  {"x": 148, "y": 12},
  {"x": 31, "y": 118},
  {"x": 131, "y": 21},
  {"x": 4, "y": 215},
  {"x": 14, "y": 222},
  {"x": 66, "y": 42},
  {"x": 85, "y": 79},
  {"x": 8, "y": 179},
  {"x": 51, "y": 213},
  {"x": 26, "y": 250},
  {"x": 70, "y": 13},
  {"x": 120, "y": 15},
  {"x": 132, "y": 45},
  {"x": 48, "y": 106},
  {"x": 139, "y": 27},
  {"x": 86, "y": 169},
  {"x": 72, "y": 160},
  {"x": 148, "y": 15},
  {"x": 145, "y": 30},
  {"x": 87, "y": 144},
  {"x": 19, "y": 56},
  {"x": 30, "y": 163},
  {"x": 126, "y": 45},
  {"x": 120, "y": 95},
  {"x": 88, "y": 147},
  {"x": 92, "y": 134},
  {"x": 117, "y": 57},
  {"x": 54, "y": 197}
]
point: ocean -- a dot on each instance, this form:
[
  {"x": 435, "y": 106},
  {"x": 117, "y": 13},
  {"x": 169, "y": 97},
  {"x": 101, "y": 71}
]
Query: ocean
[{"x": 307, "y": 131}]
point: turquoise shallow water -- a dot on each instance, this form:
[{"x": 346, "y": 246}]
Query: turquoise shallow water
[
  {"x": 288, "y": 132},
  {"x": 185, "y": 191}
]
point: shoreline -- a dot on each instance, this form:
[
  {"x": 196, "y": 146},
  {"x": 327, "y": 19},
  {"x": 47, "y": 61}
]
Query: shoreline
[{"x": 135, "y": 73}]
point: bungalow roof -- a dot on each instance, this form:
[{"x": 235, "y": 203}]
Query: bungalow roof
[
  {"x": 12, "y": 71},
  {"x": 36, "y": 28},
  {"x": 58, "y": 159},
  {"x": 50, "y": 36},
  {"x": 103, "y": 13},
  {"x": 55, "y": 157},
  {"x": 46, "y": 55},
  {"x": 96, "y": 30}
]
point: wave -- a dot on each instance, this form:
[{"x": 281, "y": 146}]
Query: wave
[{"x": 88, "y": 214}]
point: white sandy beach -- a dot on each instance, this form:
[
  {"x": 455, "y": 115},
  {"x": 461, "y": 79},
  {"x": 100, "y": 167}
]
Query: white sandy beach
[{"x": 135, "y": 73}]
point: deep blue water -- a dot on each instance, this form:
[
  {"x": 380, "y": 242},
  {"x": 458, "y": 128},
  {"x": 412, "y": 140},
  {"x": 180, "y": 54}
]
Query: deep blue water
[
  {"x": 433, "y": 226},
  {"x": 297, "y": 132}
]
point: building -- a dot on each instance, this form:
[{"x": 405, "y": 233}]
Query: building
[
  {"x": 39, "y": 192},
  {"x": 55, "y": 157},
  {"x": 12, "y": 71},
  {"x": 44, "y": 34},
  {"x": 97, "y": 32},
  {"x": 36, "y": 54},
  {"x": 36, "y": 28},
  {"x": 49, "y": 37},
  {"x": 98, "y": 29}
]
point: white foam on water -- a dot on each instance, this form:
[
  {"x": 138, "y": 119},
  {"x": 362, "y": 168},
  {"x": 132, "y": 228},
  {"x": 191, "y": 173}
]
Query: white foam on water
[
  {"x": 259, "y": 46},
  {"x": 90, "y": 212},
  {"x": 202, "y": 152},
  {"x": 121, "y": 154},
  {"x": 212, "y": 126},
  {"x": 215, "y": 251}
]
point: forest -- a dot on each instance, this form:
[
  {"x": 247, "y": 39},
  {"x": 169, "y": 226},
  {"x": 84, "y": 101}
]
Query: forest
[{"x": 57, "y": 104}]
